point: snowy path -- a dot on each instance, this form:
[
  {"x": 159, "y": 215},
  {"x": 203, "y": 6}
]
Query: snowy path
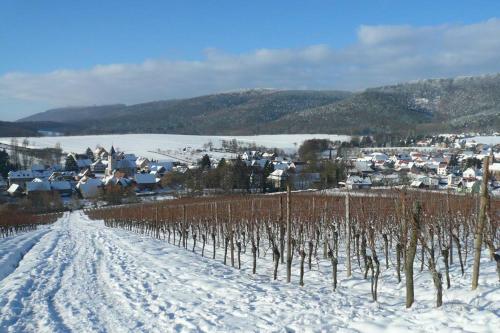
[{"x": 80, "y": 276}]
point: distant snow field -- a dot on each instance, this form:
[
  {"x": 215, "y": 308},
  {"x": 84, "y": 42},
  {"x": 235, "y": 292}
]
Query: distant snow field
[
  {"x": 489, "y": 140},
  {"x": 143, "y": 144},
  {"x": 80, "y": 276}
]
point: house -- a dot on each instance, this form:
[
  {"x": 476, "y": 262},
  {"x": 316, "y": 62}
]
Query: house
[
  {"x": 401, "y": 157},
  {"x": 417, "y": 184},
  {"x": 100, "y": 153},
  {"x": 442, "y": 169},
  {"x": 130, "y": 157},
  {"x": 379, "y": 157},
  {"x": 84, "y": 173},
  {"x": 278, "y": 178},
  {"x": 98, "y": 166},
  {"x": 168, "y": 165},
  {"x": 469, "y": 185},
  {"x": 385, "y": 179},
  {"x": 64, "y": 175},
  {"x": 282, "y": 165},
  {"x": 127, "y": 167},
  {"x": 402, "y": 165},
  {"x": 89, "y": 188},
  {"x": 20, "y": 177},
  {"x": 260, "y": 164},
  {"x": 146, "y": 181},
  {"x": 494, "y": 169},
  {"x": 157, "y": 171},
  {"x": 83, "y": 163},
  {"x": 425, "y": 182},
  {"x": 354, "y": 182},
  {"x": 116, "y": 179},
  {"x": 269, "y": 156},
  {"x": 62, "y": 187},
  {"x": 38, "y": 185},
  {"x": 472, "y": 174},
  {"x": 142, "y": 163},
  {"x": 363, "y": 166},
  {"x": 124, "y": 163}
]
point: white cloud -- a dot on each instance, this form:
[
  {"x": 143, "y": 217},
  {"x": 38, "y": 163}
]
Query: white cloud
[{"x": 381, "y": 55}]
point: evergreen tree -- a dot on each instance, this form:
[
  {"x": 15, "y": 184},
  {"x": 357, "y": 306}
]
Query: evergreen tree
[
  {"x": 5, "y": 165},
  {"x": 268, "y": 169},
  {"x": 241, "y": 175},
  {"x": 70, "y": 164},
  {"x": 205, "y": 163},
  {"x": 90, "y": 154}
]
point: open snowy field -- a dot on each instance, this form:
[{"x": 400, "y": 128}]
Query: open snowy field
[
  {"x": 143, "y": 144},
  {"x": 78, "y": 275},
  {"x": 489, "y": 140}
]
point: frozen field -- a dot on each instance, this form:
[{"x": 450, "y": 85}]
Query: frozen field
[
  {"x": 79, "y": 276},
  {"x": 142, "y": 144}
]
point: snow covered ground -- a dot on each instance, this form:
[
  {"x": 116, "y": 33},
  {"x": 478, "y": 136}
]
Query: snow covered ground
[
  {"x": 143, "y": 144},
  {"x": 489, "y": 140},
  {"x": 77, "y": 275}
]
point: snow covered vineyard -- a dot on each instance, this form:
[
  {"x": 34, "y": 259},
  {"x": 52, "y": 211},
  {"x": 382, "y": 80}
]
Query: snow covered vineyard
[{"x": 82, "y": 275}]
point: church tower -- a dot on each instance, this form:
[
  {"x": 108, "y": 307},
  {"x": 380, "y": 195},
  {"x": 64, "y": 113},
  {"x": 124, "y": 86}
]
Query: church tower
[{"x": 111, "y": 161}]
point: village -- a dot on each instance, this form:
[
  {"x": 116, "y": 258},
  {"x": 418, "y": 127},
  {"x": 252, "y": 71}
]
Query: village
[{"x": 101, "y": 176}]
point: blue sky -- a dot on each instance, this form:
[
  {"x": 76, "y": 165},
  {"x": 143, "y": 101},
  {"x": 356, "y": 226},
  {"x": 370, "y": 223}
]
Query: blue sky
[{"x": 58, "y": 53}]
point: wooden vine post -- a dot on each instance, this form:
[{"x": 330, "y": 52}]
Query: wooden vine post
[
  {"x": 348, "y": 237},
  {"x": 411, "y": 252},
  {"x": 231, "y": 233},
  {"x": 288, "y": 235},
  {"x": 478, "y": 237}
]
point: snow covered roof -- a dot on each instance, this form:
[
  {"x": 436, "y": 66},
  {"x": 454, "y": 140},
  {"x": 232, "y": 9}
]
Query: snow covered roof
[
  {"x": 379, "y": 157},
  {"x": 281, "y": 165},
  {"x": 38, "y": 185},
  {"x": 112, "y": 180},
  {"x": 495, "y": 167},
  {"x": 358, "y": 180},
  {"x": 125, "y": 164},
  {"x": 145, "y": 178},
  {"x": 278, "y": 173},
  {"x": 21, "y": 174},
  {"x": 14, "y": 188},
  {"x": 472, "y": 173},
  {"x": 89, "y": 188},
  {"x": 260, "y": 163},
  {"x": 416, "y": 183},
  {"x": 89, "y": 181},
  {"x": 83, "y": 163},
  {"x": 363, "y": 166},
  {"x": 60, "y": 185},
  {"x": 157, "y": 168},
  {"x": 142, "y": 161},
  {"x": 130, "y": 157}
]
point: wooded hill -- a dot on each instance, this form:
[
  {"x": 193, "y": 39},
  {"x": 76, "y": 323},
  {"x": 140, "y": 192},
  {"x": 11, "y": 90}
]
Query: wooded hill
[{"x": 437, "y": 105}]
